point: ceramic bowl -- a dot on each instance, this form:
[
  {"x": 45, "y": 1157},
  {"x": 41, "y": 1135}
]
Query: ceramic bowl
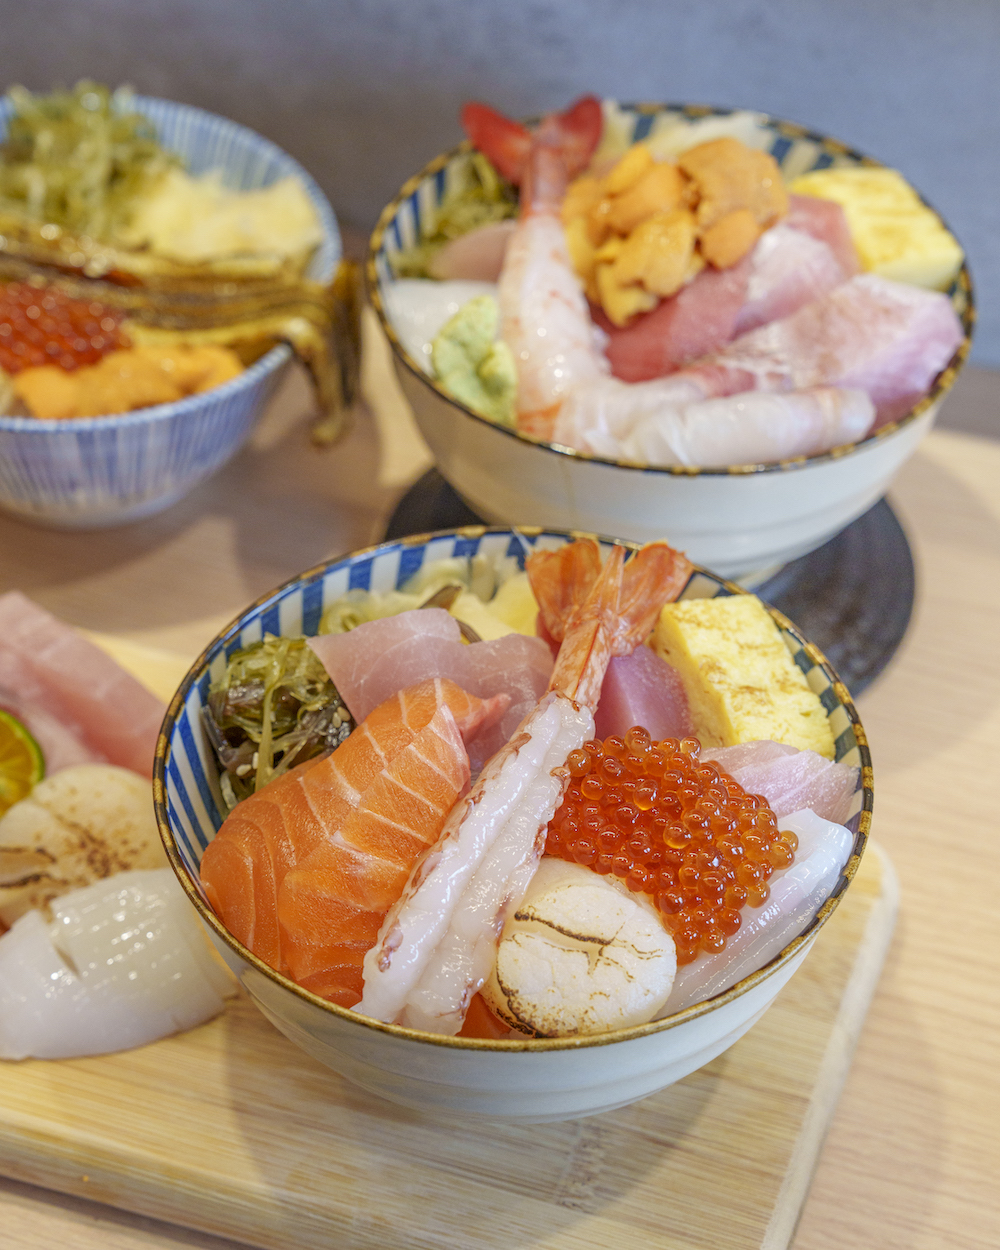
[
  {"x": 737, "y": 520},
  {"x": 98, "y": 471},
  {"x": 524, "y": 1080}
]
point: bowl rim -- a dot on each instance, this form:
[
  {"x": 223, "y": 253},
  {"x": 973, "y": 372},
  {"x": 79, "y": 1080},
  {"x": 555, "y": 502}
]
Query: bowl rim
[
  {"x": 785, "y": 129},
  {"x": 271, "y": 360},
  {"x": 503, "y": 1045}
]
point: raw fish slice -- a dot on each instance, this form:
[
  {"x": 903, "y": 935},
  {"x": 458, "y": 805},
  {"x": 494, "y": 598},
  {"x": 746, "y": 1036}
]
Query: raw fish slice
[
  {"x": 761, "y": 751},
  {"x": 331, "y": 906},
  {"x": 59, "y": 672},
  {"x": 642, "y": 689},
  {"x": 374, "y": 660},
  {"x": 789, "y": 269},
  {"x": 826, "y": 221},
  {"x": 279, "y": 826},
  {"x": 62, "y": 747},
  {"x": 125, "y": 963},
  {"x": 791, "y": 780},
  {"x": 600, "y": 417},
  {"x": 698, "y": 320},
  {"x": 886, "y": 338},
  {"x": 796, "y": 896},
  {"x": 474, "y": 257},
  {"x": 793, "y": 263},
  {"x": 752, "y": 428}
]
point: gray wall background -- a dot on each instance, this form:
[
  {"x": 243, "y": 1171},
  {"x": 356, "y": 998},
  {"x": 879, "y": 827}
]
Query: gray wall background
[{"x": 362, "y": 92}]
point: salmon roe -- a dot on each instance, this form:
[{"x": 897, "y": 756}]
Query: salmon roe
[
  {"x": 674, "y": 827},
  {"x": 44, "y": 326}
]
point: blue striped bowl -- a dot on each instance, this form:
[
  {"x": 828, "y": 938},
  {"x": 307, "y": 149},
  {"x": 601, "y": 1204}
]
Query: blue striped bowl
[
  {"x": 523, "y": 1080},
  {"x": 742, "y": 519},
  {"x": 98, "y": 471}
]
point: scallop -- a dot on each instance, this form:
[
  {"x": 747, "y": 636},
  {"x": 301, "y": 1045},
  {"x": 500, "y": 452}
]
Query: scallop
[
  {"x": 78, "y": 826},
  {"x": 581, "y": 955}
]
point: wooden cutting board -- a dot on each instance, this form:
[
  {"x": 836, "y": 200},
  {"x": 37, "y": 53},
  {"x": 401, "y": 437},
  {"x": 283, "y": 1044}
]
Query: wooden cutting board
[{"x": 232, "y": 1130}]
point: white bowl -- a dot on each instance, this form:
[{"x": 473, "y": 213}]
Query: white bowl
[
  {"x": 90, "y": 472},
  {"x": 738, "y": 521},
  {"x": 520, "y": 1081}
]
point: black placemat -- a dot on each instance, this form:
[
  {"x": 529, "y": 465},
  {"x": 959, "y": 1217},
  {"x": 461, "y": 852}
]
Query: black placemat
[{"x": 852, "y": 597}]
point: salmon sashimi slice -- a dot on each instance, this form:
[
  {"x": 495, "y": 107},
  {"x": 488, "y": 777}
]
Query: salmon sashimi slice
[
  {"x": 331, "y": 906},
  {"x": 288, "y": 818},
  {"x": 242, "y": 893}
]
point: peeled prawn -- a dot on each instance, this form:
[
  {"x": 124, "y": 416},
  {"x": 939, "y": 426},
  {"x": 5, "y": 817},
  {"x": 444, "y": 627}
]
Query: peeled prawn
[
  {"x": 436, "y": 945},
  {"x": 544, "y": 318}
]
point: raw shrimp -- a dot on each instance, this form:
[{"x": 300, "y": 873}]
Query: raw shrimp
[
  {"x": 436, "y": 946},
  {"x": 544, "y": 318}
]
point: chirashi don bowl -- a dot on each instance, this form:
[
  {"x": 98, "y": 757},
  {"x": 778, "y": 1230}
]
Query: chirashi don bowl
[
  {"x": 738, "y": 520},
  {"x": 529, "y": 1080},
  {"x": 87, "y": 472}
]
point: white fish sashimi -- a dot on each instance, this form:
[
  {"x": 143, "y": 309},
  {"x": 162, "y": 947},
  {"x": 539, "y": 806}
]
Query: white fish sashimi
[
  {"x": 417, "y": 308},
  {"x": 456, "y": 898},
  {"x": 124, "y": 963},
  {"x": 790, "y": 780},
  {"x": 754, "y": 427},
  {"x": 797, "y": 893}
]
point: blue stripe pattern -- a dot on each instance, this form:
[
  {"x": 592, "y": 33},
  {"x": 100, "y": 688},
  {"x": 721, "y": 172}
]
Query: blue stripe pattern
[
  {"x": 191, "y": 781},
  {"x": 105, "y": 470}
]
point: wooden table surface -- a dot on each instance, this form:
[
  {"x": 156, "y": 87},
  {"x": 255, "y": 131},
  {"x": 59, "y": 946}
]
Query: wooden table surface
[{"x": 913, "y": 1157}]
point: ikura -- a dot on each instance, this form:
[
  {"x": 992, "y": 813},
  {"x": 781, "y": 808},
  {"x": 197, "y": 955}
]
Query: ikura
[
  {"x": 672, "y": 827},
  {"x": 44, "y": 326}
]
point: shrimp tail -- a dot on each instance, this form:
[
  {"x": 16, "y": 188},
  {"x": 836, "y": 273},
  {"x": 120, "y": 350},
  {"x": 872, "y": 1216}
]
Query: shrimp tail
[
  {"x": 561, "y": 581},
  {"x": 507, "y": 143},
  {"x": 603, "y": 613}
]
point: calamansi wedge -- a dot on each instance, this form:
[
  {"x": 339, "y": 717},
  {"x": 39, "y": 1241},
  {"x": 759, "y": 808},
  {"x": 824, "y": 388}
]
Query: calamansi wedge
[{"x": 22, "y": 764}]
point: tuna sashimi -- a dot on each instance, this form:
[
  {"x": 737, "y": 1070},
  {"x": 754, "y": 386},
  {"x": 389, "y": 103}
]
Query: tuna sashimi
[
  {"x": 790, "y": 780},
  {"x": 330, "y": 906},
  {"x": 791, "y": 265},
  {"x": 380, "y": 657},
  {"x": 85, "y": 707},
  {"x": 642, "y": 689},
  {"x": 698, "y": 320},
  {"x": 278, "y": 827}
]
